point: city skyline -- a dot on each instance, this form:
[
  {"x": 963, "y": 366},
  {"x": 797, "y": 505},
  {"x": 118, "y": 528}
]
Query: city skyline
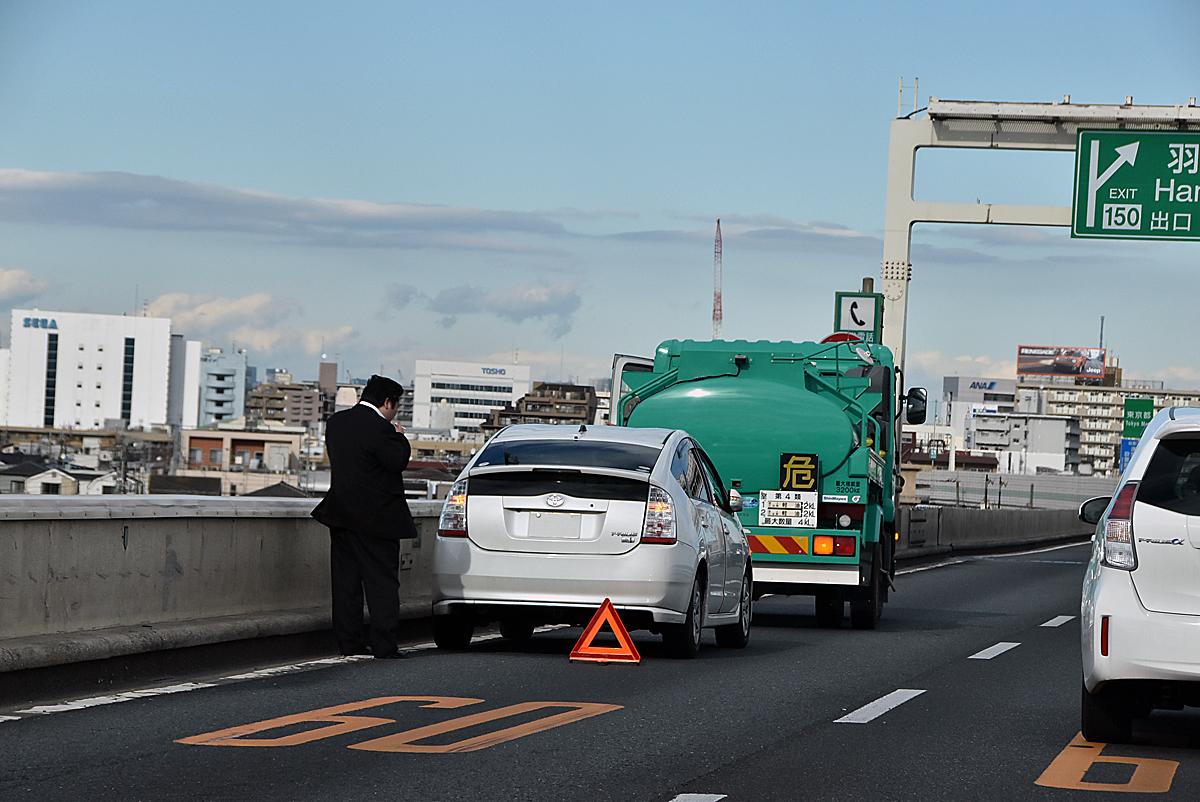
[{"x": 448, "y": 185}]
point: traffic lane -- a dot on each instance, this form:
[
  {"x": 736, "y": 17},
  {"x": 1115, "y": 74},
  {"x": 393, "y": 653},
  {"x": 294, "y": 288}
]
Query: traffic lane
[
  {"x": 678, "y": 719},
  {"x": 992, "y": 724}
]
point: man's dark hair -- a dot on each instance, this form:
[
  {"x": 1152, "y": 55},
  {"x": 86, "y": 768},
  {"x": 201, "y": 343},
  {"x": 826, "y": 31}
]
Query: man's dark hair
[{"x": 381, "y": 389}]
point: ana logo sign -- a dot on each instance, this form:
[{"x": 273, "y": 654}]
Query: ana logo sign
[
  {"x": 983, "y": 385},
  {"x": 39, "y": 323},
  {"x": 494, "y": 372}
]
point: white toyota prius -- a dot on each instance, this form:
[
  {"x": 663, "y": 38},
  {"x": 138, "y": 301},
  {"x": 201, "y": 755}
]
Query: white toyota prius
[
  {"x": 546, "y": 522},
  {"x": 1141, "y": 594}
]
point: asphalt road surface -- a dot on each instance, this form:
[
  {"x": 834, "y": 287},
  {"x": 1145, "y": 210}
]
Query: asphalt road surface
[{"x": 969, "y": 690}]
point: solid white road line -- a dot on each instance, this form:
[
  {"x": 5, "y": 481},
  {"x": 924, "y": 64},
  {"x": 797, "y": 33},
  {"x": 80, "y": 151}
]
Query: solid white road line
[
  {"x": 875, "y": 709},
  {"x": 273, "y": 671},
  {"x": 961, "y": 560},
  {"x": 992, "y": 651},
  {"x": 1058, "y": 620},
  {"x": 700, "y": 798}
]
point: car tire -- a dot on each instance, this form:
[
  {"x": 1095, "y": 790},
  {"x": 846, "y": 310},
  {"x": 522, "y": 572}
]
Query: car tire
[
  {"x": 830, "y": 609},
  {"x": 516, "y": 631},
  {"x": 737, "y": 636},
  {"x": 1105, "y": 716},
  {"x": 452, "y": 632},
  {"x": 683, "y": 640},
  {"x": 866, "y": 610}
]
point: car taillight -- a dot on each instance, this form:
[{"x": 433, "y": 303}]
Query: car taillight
[
  {"x": 453, "y": 522},
  {"x": 1118, "y": 530},
  {"x": 660, "y": 517}
]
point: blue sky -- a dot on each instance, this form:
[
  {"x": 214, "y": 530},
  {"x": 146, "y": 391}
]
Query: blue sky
[{"x": 389, "y": 181}]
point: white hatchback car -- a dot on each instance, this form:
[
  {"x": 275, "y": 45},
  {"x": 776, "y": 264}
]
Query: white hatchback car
[
  {"x": 1141, "y": 594},
  {"x": 545, "y": 522}
]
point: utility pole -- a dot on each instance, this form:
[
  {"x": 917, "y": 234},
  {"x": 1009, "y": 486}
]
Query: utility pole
[{"x": 718, "y": 311}]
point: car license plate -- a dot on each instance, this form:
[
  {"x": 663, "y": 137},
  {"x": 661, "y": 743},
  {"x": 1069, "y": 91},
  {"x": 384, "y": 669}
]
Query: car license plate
[
  {"x": 791, "y": 508},
  {"x": 555, "y": 525}
]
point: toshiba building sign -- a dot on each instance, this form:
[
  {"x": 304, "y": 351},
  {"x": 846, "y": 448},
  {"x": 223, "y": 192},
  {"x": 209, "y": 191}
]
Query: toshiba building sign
[{"x": 1057, "y": 360}]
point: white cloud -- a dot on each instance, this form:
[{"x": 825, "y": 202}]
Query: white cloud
[
  {"x": 18, "y": 285},
  {"x": 317, "y": 341},
  {"x": 938, "y": 364}
]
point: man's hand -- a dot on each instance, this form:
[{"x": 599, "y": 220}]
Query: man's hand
[{"x": 399, "y": 427}]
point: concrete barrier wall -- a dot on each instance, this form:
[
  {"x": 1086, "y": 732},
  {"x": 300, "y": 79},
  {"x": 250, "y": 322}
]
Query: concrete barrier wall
[
  {"x": 85, "y": 578},
  {"x": 93, "y": 563},
  {"x": 929, "y": 531}
]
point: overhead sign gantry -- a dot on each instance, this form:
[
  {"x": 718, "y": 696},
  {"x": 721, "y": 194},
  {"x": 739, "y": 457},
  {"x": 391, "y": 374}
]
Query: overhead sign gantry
[{"x": 1046, "y": 127}]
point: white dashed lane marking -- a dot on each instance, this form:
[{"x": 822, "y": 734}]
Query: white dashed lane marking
[
  {"x": 874, "y": 710},
  {"x": 700, "y": 798},
  {"x": 993, "y": 651},
  {"x": 1058, "y": 620}
]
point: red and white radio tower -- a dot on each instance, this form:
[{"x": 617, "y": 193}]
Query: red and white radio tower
[{"x": 718, "y": 310}]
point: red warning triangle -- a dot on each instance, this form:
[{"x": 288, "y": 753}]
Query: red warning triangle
[{"x": 623, "y": 652}]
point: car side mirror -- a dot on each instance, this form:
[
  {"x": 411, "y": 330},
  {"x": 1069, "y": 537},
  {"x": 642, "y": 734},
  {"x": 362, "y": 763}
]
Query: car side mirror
[
  {"x": 1092, "y": 510},
  {"x": 735, "y": 501},
  {"x": 915, "y": 405}
]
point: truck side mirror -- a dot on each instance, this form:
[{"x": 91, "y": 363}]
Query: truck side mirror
[
  {"x": 1092, "y": 510},
  {"x": 915, "y": 405},
  {"x": 735, "y": 501}
]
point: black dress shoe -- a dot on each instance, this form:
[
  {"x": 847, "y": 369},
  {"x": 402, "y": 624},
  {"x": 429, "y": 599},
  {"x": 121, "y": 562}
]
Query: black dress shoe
[{"x": 396, "y": 655}]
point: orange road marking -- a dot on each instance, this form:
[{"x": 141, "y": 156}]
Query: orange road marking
[
  {"x": 339, "y": 724},
  {"x": 1150, "y": 775},
  {"x": 407, "y": 741}
]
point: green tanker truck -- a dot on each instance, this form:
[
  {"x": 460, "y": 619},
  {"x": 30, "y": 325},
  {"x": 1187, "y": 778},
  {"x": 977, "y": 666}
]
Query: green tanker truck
[{"x": 806, "y": 433}]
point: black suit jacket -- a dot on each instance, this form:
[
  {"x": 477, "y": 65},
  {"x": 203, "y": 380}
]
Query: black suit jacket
[{"x": 367, "y": 456}]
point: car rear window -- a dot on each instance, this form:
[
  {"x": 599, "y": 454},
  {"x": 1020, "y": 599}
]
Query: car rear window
[
  {"x": 569, "y": 453},
  {"x": 1172, "y": 479},
  {"x": 540, "y": 481}
]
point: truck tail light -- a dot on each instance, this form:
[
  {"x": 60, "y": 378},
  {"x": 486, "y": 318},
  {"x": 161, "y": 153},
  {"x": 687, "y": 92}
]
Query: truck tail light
[
  {"x": 1118, "y": 530},
  {"x": 453, "y": 522},
  {"x": 844, "y": 546},
  {"x": 659, "y": 526}
]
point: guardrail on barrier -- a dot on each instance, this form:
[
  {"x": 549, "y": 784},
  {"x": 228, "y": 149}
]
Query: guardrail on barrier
[{"x": 1010, "y": 491}]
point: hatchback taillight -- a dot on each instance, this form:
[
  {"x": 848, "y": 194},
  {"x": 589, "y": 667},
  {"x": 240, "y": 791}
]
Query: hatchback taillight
[
  {"x": 453, "y": 522},
  {"x": 659, "y": 526},
  {"x": 1118, "y": 530}
]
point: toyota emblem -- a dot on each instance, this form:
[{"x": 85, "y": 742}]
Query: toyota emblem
[{"x": 555, "y": 500}]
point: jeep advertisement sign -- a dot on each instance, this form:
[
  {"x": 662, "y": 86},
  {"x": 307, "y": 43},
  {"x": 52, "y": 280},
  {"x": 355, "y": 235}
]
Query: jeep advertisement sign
[{"x": 1058, "y": 360}]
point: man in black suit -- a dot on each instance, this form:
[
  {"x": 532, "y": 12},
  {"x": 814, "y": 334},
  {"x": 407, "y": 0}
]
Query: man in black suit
[{"x": 367, "y": 516}]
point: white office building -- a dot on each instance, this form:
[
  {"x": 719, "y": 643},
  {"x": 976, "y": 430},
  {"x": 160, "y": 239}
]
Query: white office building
[
  {"x": 471, "y": 390},
  {"x": 222, "y": 386},
  {"x": 183, "y": 400},
  {"x": 964, "y": 396},
  {"x": 71, "y": 370}
]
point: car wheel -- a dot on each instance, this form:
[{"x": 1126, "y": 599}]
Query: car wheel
[
  {"x": 452, "y": 632},
  {"x": 866, "y": 610},
  {"x": 516, "y": 631},
  {"x": 683, "y": 640},
  {"x": 1105, "y": 716},
  {"x": 736, "y": 636},
  {"x": 830, "y": 608}
]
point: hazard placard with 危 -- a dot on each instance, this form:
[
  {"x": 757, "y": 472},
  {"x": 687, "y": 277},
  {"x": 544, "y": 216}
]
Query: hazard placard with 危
[{"x": 623, "y": 652}]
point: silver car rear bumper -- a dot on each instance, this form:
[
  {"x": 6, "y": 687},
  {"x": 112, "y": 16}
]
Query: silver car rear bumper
[{"x": 653, "y": 580}]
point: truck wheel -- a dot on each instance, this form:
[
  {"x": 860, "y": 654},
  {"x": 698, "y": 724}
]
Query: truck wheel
[
  {"x": 736, "y": 636},
  {"x": 1105, "y": 716},
  {"x": 830, "y": 608},
  {"x": 452, "y": 632},
  {"x": 683, "y": 640},
  {"x": 865, "y": 611}
]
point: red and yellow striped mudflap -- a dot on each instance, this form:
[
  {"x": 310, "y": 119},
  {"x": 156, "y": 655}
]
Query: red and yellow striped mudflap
[{"x": 778, "y": 544}]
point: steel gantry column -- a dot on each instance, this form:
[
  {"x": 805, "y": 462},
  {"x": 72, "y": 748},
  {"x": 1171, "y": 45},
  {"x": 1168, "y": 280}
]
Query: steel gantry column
[{"x": 987, "y": 125}]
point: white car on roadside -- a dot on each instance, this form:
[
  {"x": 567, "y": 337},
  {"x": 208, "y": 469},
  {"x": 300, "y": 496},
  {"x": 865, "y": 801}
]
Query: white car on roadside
[
  {"x": 546, "y": 522},
  {"x": 1141, "y": 594}
]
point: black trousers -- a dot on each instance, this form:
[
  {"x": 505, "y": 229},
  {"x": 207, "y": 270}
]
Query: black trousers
[{"x": 360, "y": 565}]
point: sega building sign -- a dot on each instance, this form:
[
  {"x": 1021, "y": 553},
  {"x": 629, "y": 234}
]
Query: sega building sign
[
  {"x": 39, "y": 323},
  {"x": 1058, "y": 360}
]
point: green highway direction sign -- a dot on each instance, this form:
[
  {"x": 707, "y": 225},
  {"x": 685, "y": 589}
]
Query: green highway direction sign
[
  {"x": 1138, "y": 412},
  {"x": 860, "y": 314},
  {"x": 1137, "y": 185}
]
